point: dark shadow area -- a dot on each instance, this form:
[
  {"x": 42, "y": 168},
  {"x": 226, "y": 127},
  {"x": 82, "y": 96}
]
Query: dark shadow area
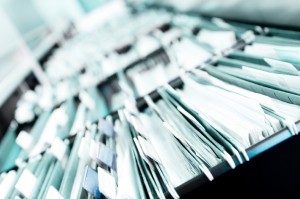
[{"x": 273, "y": 174}]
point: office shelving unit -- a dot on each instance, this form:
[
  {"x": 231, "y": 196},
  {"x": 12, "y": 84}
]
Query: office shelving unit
[
  {"x": 19, "y": 63},
  {"x": 222, "y": 168}
]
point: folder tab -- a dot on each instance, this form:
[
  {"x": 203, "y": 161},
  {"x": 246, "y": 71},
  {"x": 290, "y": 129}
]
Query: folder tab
[
  {"x": 107, "y": 156},
  {"x": 106, "y": 128},
  {"x": 58, "y": 148},
  {"x": 90, "y": 183},
  {"x": 25, "y": 140},
  {"x": 53, "y": 194},
  {"x": 107, "y": 183},
  {"x": 26, "y": 183}
]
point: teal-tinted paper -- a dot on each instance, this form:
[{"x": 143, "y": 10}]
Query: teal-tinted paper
[{"x": 70, "y": 171}]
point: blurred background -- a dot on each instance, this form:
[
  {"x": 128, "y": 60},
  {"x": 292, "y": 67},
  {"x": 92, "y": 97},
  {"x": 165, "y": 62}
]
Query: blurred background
[{"x": 29, "y": 29}]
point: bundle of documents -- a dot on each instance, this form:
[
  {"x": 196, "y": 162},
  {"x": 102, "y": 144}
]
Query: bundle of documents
[
  {"x": 268, "y": 69},
  {"x": 77, "y": 149},
  {"x": 134, "y": 155}
]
